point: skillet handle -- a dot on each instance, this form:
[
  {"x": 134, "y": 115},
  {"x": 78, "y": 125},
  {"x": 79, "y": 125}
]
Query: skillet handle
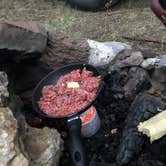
[{"x": 75, "y": 145}]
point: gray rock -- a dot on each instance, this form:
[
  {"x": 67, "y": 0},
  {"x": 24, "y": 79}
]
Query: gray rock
[
  {"x": 162, "y": 61},
  {"x": 150, "y": 63},
  {"x": 21, "y": 40},
  {"x": 159, "y": 75},
  {"x": 127, "y": 58},
  {"x": 4, "y": 94},
  {"x": 158, "y": 78},
  {"x": 43, "y": 146},
  {"x": 22, "y": 145},
  {"x": 158, "y": 81},
  {"x": 102, "y": 53},
  {"x": 138, "y": 82},
  {"x": 156, "y": 62},
  {"x": 10, "y": 153}
]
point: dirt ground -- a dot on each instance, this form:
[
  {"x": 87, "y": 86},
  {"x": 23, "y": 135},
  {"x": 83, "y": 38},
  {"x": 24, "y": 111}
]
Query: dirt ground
[{"x": 129, "y": 18}]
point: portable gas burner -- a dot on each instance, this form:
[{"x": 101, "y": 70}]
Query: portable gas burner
[{"x": 90, "y": 122}]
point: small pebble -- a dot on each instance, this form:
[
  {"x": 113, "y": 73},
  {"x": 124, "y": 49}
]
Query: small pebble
[{"x": 114, "y": 131}]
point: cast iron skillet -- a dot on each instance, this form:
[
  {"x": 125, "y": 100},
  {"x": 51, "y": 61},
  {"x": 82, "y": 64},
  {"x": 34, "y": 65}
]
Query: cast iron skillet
[{"x": 73, "y": 120}]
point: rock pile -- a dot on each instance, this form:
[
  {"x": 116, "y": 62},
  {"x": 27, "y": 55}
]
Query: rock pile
[{"x": 134, "y": 91}]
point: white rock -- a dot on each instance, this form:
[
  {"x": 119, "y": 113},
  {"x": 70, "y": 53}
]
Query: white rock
[
  {"x": 159, "y": 61},
  {"x": 150, "y": 63},
  {"x": 102, "y": 53},
  {"x": 9, "y": 151}
]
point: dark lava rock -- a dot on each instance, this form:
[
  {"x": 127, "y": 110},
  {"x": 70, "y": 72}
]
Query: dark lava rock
[
  {"x": 147, "y": 160},
  {"x": 23, "y": 78},
  {"x": 152, "y": 163},
  {"x": 138, "y": 82},
  {"x": 158, "y": 148},
  {"x": 126, "y": 58},
  {"x": 143, "y": 108},
  {"x": 62, "y": 50},
  {"x": 158, "y": 78},
  {"x": 27, "y": 78},
  {"x": 21, "y": 40}
]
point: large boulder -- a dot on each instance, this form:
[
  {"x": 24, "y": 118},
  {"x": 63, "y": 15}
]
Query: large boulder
[
  {"x": 126, "y": 58},
  {"x": 43, "y": 146},
  {"x": 62, "y": 49},
  {"x": 10, "y": 153},
  {"x": 158, "y": 78},
  {"x": 21, "y": 40},
  {"x": 138, "y": 81},
  {"x": 25, "y": 80},
  {"x": 103, "y": 53},
  {"x": 22, "y": 145}
]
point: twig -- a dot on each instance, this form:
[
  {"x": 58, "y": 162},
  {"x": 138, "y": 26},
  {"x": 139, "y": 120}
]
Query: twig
[{"x": 143, "y": 40}]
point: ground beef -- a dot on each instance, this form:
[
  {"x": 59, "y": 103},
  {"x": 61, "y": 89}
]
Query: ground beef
[{"x": 60, "y": 100}]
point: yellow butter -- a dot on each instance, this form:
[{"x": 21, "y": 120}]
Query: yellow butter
[{"x": 73, "y": 85}]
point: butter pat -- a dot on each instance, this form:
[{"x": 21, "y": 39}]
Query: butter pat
[
  {"x": 73, "y": 85},
  {"x": 155, "y": 127}
]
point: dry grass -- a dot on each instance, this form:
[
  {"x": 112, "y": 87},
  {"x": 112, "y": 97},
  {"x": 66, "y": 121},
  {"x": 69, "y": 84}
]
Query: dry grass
[{"x": 130, "y": 18}]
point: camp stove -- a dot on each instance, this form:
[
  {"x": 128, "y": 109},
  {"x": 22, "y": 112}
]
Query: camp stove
[{"x": 90, "y": 122}]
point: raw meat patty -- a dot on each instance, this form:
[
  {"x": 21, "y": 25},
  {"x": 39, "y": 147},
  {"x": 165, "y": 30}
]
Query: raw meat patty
[{"x": 72, "y": 92}]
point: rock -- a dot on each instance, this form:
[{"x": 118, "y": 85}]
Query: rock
[
  {"x": 157, "y": 62},
  {"x": 138, "y": 82},
  {"x": 145, "y": 160},
  {"x": 21, "y": 40},
  {"x": 127, "y": 58},
  {"x": 158, "y": 149},
  {"x": 95, "y": 163},
  {"x": 4, "y": 94},
  {"x": 102, "y": 53},
  {"x": 20, "y": 160},
  {"x": 10, "y": 153},
  {"x": 159, "y": 73},
  {"x": 150, "y": 63},
  {"x": 147, "y": 54},
  {"x": 62, "y": 49},
  {"x": 158, "y": 78},
  {"x": 152, "y": 163},
  {"x": 25, "y": 80},
  {"x": 143, "y": 108},
  {"x": 162, "y": 61},
  {"x": 43, "y": 146},
  {"x": 22, "y": 145}
]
